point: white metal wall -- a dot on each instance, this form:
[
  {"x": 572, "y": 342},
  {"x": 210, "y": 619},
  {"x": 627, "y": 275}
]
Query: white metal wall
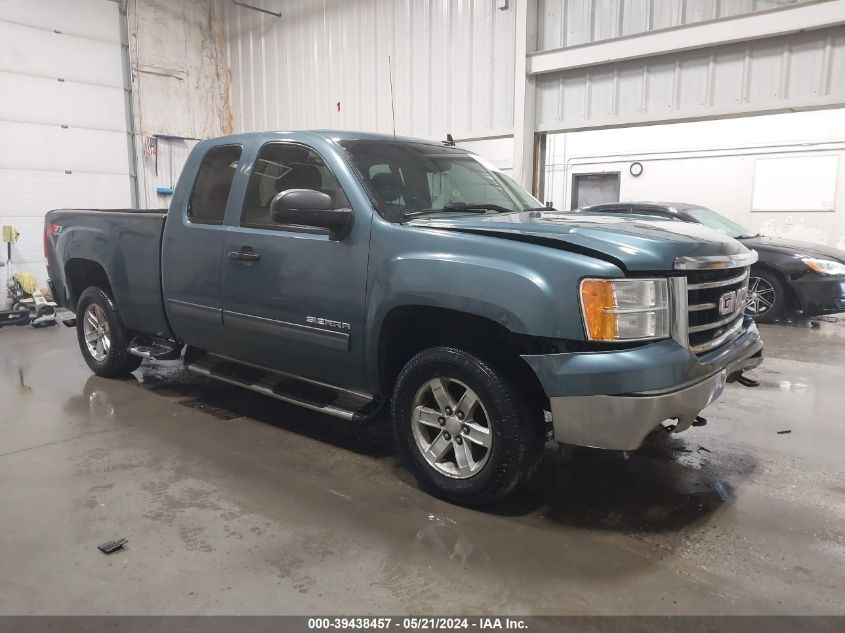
[
  {"x": 793, "y": 71},
  {"x": 62, "y": 116},
  {"x": 324, "y": 64},
  {"x": 571, "y": 22},
  {"x": 716, "y": 164}
]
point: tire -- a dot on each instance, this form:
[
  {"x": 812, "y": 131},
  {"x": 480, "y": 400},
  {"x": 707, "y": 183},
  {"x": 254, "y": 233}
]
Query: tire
[
  {"x": 492, "y": 464},
  {"x": 108, "y": 356},
  {"x": 765, "y": 288}
]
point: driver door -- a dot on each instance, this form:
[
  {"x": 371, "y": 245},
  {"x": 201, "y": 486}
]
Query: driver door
[{"x": 295, "y": 302}]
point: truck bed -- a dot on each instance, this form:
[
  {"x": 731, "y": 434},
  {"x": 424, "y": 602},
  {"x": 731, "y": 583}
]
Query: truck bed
[{"x": 126, "y": 245}]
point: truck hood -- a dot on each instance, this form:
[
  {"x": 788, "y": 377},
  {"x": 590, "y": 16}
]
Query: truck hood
[
  {"x": 633, "y": 244},
  {"x": 793, "y": 247}
]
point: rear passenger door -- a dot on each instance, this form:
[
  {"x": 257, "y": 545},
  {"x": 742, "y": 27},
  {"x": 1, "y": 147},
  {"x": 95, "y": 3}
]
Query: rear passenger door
[
  {"x": 297, "y": 304},
  {"x": 193, "y": 245}
]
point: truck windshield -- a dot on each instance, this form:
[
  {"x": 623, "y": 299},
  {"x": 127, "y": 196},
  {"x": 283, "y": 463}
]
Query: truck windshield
[
  {"x": 407, "y": 180},
  {"x": 714, "y": 220}
]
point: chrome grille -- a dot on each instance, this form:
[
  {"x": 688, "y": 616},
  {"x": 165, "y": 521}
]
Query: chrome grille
[{"x": 707, "y": 326}]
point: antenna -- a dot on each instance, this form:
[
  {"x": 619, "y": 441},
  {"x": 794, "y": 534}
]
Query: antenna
[{"x": 392, "y": 107}]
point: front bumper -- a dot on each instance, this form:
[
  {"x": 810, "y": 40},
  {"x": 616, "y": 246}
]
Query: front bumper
[
  {"x": 820, "y": 294},
  {"x": 614, "y": 399}
]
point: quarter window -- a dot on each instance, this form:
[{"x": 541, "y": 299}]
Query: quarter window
[
  {"x": 283, "y": 166},
  {"x": 214, "y": 180}
]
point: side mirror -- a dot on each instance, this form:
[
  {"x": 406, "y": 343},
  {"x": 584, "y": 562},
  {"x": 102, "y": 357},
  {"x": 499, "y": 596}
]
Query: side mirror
[{"x": 311, "y": 209}]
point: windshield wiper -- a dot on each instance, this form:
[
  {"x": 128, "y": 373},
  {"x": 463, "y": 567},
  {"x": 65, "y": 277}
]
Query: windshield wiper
[
  {"x": 747, "y": 237},
  {"x": 461, "y": 207}
]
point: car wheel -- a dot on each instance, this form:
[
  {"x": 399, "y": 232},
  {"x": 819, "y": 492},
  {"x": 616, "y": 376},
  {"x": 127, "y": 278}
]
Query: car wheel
[
  {"x": 466, "y": 433},
  {"x": 766, "y": 297},
  {"x": 102, "y": 337}
]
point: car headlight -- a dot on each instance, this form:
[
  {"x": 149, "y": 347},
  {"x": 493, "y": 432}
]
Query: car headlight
[
  {"x": 625, "y": 309},
  {"x": 824, "y": 266}
]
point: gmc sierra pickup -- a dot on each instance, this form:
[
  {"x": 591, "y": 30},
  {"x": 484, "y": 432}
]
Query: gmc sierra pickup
[{"x": 350, "y": 273}]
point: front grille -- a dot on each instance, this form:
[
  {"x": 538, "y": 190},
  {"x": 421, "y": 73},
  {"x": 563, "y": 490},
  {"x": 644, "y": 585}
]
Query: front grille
[{"x": 708, "y": 326}]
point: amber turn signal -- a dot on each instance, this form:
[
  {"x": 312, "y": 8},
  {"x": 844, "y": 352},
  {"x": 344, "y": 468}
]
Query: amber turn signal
[{"x": 598, "y": 303}]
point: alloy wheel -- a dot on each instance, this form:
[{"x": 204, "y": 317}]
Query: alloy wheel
[
  {"x": 451, "y": 427},
  {"x": 761, "y": 296},
  {"x": 95, "y": 327}
]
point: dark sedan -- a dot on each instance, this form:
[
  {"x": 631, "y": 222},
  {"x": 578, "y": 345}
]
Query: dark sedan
[{"x": 789, "y": 274}]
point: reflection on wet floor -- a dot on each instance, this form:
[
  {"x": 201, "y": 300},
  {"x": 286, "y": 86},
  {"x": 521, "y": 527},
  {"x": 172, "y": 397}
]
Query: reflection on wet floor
[
  {"x": 664, "y": 485},
  {"x": 238, "y": 503}
]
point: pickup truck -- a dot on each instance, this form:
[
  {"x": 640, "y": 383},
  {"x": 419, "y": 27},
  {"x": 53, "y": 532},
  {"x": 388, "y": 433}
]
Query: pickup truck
[{"x": 353, "y": 273}]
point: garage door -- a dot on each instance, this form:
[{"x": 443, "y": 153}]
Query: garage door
[{"x": 63, "y": 126}]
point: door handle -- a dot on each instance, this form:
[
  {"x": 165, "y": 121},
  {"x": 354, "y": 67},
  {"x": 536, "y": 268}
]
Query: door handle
[{"x": 246, "y": 255}]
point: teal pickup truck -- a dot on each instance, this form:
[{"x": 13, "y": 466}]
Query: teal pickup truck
[{"x": 353, "y": 273}]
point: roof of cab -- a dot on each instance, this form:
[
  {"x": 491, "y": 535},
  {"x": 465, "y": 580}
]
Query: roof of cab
[{"x": 333, "y": 135}]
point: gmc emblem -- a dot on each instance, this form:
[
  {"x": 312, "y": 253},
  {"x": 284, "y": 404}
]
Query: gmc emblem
[{"x": 733, "y": 300}]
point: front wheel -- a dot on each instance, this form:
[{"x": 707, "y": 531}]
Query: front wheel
[
  {"x": 102, "y": 337},
  {"x": 766, "y": 296},
  {"x": 465, "y": 431}
]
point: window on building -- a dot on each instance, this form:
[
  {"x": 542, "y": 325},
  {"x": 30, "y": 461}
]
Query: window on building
[{"x": 589, "y": 189}]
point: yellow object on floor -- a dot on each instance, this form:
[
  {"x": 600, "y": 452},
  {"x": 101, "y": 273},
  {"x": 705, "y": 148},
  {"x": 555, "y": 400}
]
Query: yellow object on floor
[
  {"x": 27, "y": 282},
  {"x": 10, "y": 233}
]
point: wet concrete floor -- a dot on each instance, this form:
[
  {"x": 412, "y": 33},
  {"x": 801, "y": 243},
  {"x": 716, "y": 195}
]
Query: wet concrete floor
[{"x": 234, "y": 503}]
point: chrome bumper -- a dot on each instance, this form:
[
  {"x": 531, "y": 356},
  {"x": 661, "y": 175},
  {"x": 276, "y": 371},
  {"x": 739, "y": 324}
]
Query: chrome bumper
[{"x": 622, "y": 422}]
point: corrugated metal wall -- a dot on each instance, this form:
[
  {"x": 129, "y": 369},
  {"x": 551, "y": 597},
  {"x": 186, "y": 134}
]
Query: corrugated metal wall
[
  {"x": 796, "y": 71},
  {"x": 324, "y": 64},
  {"x": 570, "y": 22}
]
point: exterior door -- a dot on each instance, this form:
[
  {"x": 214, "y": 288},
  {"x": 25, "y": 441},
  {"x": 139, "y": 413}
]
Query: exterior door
[{"x": 293, "y": 298}]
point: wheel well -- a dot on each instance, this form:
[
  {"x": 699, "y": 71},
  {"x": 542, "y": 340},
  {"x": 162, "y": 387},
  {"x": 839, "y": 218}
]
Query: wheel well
[
  {"x": 83, "y": 273},
  {"x": 792, "y": 300},
  {"x": 408, "y": 330}
]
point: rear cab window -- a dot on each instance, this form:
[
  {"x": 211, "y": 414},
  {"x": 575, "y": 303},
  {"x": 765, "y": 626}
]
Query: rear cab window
[{"x": 207, "y": 204}]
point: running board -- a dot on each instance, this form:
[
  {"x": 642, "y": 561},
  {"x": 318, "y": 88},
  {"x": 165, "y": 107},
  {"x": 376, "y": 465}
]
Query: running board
[
  {"x": 147, "y": 348},
  {"x": 316, "y": 396}
]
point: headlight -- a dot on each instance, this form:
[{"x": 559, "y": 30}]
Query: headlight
[
  {"x": 625, "y": 309},
  {"x": 824, "y": 266}
]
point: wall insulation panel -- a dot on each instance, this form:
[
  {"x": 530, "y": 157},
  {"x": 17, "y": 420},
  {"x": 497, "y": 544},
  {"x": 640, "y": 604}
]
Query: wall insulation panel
[
  {"x": 562, "y": 23},
  {"x": 802, "y": 70},
  {"x": 325, "y": 65}
]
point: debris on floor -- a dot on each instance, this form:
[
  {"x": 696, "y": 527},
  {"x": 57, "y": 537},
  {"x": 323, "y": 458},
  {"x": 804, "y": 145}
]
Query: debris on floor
[
  {"x": 785, "y": 432},
  {"x": 112, "y": 546},
  {"x": 202, "y": 405}
]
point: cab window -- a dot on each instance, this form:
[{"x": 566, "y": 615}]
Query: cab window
[
  {"x": 207, "y": 204},
  {"x": 280, "y": 167}
]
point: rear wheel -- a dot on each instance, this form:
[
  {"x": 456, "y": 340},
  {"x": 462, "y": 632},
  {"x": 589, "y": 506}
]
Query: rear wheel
[
  {"x": 102, "y": 337},
  {"x": 465, "y": 431},
  {"x": 766, "y": 296}
]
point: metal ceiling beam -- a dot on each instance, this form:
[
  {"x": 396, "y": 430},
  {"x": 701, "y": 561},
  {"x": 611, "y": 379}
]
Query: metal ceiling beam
[{"x": 742, "y": 28}]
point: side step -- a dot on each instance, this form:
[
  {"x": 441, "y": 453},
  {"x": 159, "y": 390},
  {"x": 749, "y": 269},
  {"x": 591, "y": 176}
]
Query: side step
[
  {"x": 147, "y": 348},
  {"x": 313, "y": 395}
]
